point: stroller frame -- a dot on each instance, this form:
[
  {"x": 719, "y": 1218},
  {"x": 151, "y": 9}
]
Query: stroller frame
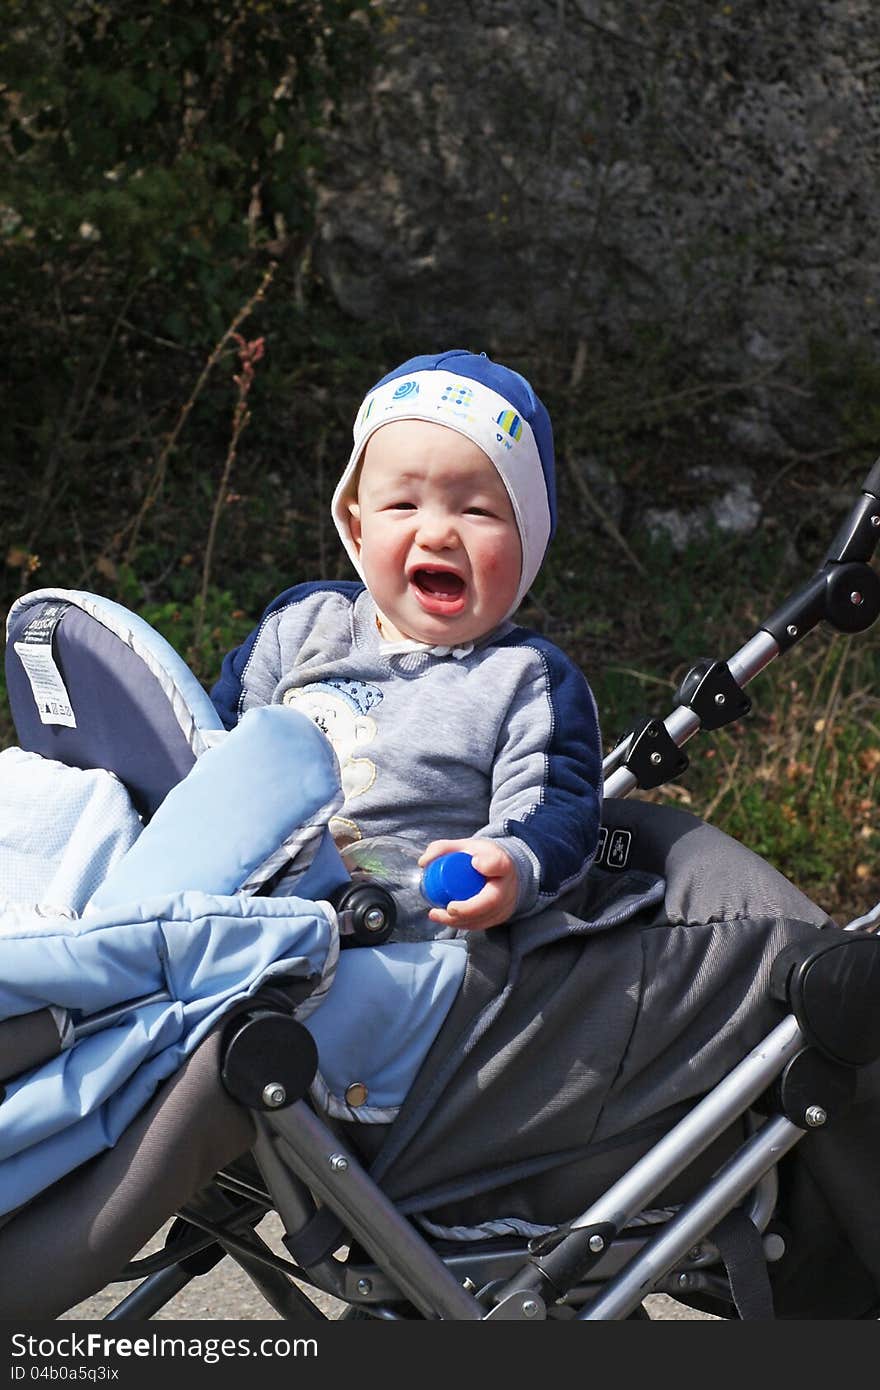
[{"x": 598, "y": 1266}]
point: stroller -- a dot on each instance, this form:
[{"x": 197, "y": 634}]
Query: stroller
[{"x": 203, "y": 1017}]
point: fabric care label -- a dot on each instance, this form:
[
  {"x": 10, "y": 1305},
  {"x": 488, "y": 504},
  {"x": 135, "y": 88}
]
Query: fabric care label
[{"x": 34, "y": 651}]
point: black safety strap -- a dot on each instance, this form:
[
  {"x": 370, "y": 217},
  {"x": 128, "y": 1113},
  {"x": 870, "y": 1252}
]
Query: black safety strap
[
  {"x": 319, "y": 1237},
  {"x": 742, "y": 1250}
]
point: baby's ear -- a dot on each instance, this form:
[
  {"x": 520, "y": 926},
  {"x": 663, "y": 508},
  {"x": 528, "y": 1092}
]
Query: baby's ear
[{"x": 354, "y": 523}]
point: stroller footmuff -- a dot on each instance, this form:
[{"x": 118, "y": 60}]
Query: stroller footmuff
[
  {"x": 484, "y": 1126},
  {"x": 121, "y": 979}
]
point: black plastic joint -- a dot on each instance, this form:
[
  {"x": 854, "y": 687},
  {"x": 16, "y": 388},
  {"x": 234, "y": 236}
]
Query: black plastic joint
[
  {"x": 799, "y": 614},
  {"x": 269, "y": 1060},
  {"x": 202, "y": 1261},
  {"x": 813, "y": 1091},
  {"x": 710, "y": 690},
  {"x": 852, "y": 598},
  {"x": 847, "y": 596},
  {"x": 654, "y": 756},
  {"x": 832, "y": 988},
  {"x": 367, "y": 914}
]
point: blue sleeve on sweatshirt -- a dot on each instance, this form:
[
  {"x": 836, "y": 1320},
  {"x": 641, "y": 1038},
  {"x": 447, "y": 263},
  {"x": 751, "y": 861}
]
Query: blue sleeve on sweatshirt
[{"x": 561, "y": 828}]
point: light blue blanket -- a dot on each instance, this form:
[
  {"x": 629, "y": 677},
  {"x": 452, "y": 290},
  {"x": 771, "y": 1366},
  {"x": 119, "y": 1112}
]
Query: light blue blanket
[
  {"x": 176, "y": 917},
  {"x": 204, "y": 952}
]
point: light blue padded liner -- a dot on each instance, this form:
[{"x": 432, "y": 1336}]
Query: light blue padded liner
[{"x": 377, "y": 1023}]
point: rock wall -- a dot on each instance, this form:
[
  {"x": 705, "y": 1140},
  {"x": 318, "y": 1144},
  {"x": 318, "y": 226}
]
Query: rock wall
[{"x": 530, "y": 174}]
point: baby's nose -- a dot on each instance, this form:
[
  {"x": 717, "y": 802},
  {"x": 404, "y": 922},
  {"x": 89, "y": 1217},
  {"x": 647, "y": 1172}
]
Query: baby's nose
[{"x": 437, "y": 530}]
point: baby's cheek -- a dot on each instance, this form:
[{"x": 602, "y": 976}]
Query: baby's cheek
[
  {"x": 504, "y": 573},
  {"x": 496, "y": 561}
]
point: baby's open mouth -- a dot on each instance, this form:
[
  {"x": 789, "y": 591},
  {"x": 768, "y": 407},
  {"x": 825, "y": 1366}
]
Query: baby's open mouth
[{"x": 439, "y": 584}]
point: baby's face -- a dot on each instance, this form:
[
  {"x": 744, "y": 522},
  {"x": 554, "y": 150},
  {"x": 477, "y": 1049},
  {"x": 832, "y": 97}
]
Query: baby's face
[{"x": 436, "y": 534}]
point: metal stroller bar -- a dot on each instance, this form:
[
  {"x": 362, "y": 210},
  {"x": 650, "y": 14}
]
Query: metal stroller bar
[
  {"x": 335, "y": 1175},
  {"x": 684, "y": 722},
  {"x": 708, "y": 1119},
  {"x": 589, "y": 1235},
  {"x": 621, "y": 1295},
  {"x": 294, "y": 1206}
]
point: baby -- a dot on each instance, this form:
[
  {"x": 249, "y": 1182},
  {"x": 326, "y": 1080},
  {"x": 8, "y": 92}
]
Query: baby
[{"x": 454, "y": 728}]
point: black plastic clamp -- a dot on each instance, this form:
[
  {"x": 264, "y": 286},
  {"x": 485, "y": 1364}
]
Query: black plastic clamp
[
  {"x": 710, "y": 690},
  {"x": 653, "y": 756},
  {"x": 852, "y": 597},
  {"x": 201, "y": 1261},
  {"x": 564, "y": 1256}
]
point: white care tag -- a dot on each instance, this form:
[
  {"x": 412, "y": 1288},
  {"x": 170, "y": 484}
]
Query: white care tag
[{"x": 35, "y": 653}]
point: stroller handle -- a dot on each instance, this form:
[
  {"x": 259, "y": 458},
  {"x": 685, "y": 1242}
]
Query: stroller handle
[
  {"x": 844, "y": 592},
  {"x": 858, "y": 536},
  {"x": 872, "y": 482}
]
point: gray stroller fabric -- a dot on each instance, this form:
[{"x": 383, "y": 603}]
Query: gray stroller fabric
[
  {"x": 709, "y": 876},
  {"x": 600, "y": 1043},
  {"x": 594, "y": 1043}
]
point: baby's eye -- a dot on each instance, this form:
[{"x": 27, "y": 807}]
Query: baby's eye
[
  {"x": 478, "y": 511},
  {"x": 400, "y": 506}
]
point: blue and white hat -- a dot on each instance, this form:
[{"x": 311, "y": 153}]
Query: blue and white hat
[{"x": 493, "y": 406}]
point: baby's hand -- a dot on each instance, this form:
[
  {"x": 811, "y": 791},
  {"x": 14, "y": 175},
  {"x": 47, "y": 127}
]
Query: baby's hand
[{"x": 495, "y": 902}]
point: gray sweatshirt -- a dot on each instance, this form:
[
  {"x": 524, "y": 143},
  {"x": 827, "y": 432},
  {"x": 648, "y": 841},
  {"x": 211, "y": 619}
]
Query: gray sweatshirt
[{"x": 501, "y": 743}]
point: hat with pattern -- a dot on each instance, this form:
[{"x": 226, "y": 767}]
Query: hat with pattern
[{"x": 494, "y": 407}]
